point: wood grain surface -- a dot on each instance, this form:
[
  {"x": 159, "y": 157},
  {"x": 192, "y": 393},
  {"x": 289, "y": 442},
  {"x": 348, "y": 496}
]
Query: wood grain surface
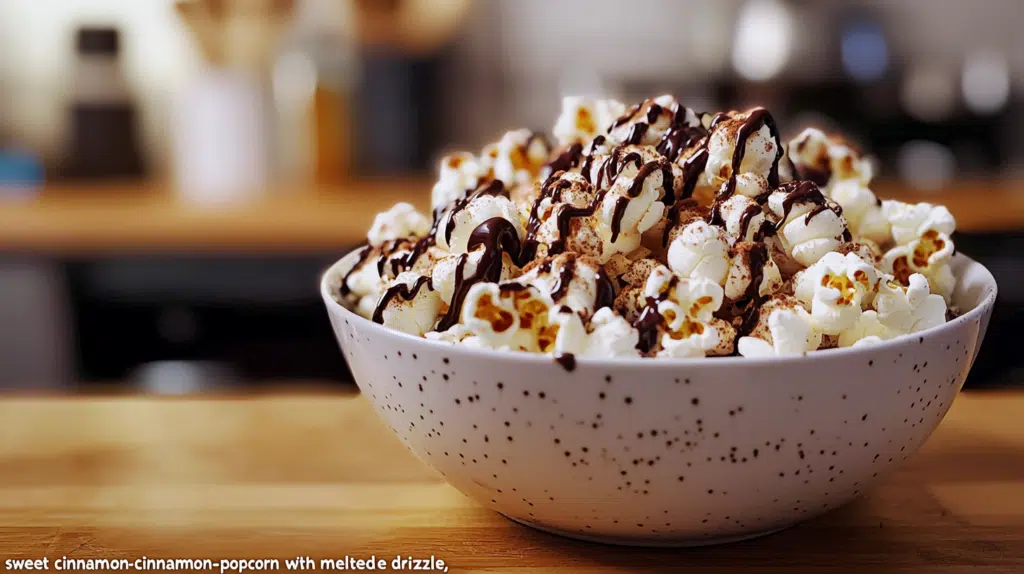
[
  {"x": 118, "y": 218},
  {"x": 280, "y": 476}
]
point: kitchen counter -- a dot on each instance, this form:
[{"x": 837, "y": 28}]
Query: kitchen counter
[
  {"x": 97, "y": 219},
  {"x": 319, "y": 475}
]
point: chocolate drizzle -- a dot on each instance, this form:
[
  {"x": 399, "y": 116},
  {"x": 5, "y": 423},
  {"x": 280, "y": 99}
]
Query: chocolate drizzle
[
  {"x": 567, "y": 361},
  {"x": 403, "y": 290},
  {"x": 552, "y": 188},
  {"x": 568, "y": 159},
  {"x": 645, "y": 171},
  {"x": 421, "y": 245},
  {"x": 613, "y": 165},
  {"x": 637, "y": 133},
  {"x": 497, "y": 235},
  {"x": 754, "y": 121},
  {"x": 630, "y": 113},
  {"x": 800, "y": 192},
  {"x": 364, "y": 254},
  {"x": 693, "y": 166},
  {"x": 648, "y": 325},
  {"x": 565, "y": 277},
  {"x": 757, "y": 258},
  {"x": 494, "y": 188},
  {"x": 747, "y": 216},
  {"x": 604, "y": 295},
  {"x": 621, "y": 204},
  {"x": 588, "y": 161}
]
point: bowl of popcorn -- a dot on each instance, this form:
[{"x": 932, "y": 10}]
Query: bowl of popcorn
[{"x": 656, "y": 326}]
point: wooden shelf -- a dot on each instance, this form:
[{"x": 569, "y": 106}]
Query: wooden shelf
[{"x": 148, "y": 218}]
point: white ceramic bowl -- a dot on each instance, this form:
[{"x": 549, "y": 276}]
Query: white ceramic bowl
[{"x": 665, "y": 452}]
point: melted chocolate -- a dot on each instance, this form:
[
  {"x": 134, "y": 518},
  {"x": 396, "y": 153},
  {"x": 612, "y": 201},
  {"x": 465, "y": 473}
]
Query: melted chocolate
[
  {"x": 755, "y": 120},
  {"x": 588, "y": 161},
  {"x": 679, "y": 136},
  {"x": 568, "y": 159},
  {"x": 797, "y": 192},
  {"x": 565, "y": 215},
  {"x": 632, "y": 111},
  {"x": 604, "y": 295},
  {"x": 421, "y": 245},
  {"x": 565, "y": 277},
  {"x": 612, "y": 167},
  {"x": 552, "y": 188},
  {"x": 497, "y": 235},
  {"x": 693, "y": 166},
  {"x": 620, "y": 211},
  {"x": 748, "y": 214},
  {"x": 636, "y": 133},
  {"x": 645, "y": 171},
  {"x": 512, "y": 287},
  {"x": 567, "y": 361},
  {"x": 493, "y": 188},
  {"x": 648, "y": 325},
  {"x": 364, "y": 253},
  {"x": 758, "y": 258},
  {"x": 402, "y": 290}
]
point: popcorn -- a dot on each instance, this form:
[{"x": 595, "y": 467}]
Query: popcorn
[
  {"x": 824, "y": 160},
  {"x": 911, "y": 221},
  {"x": 654, "y": 231},
  {"x": 647, "y": 123},
  {"x": 491, "y": 315},
  {"x": 459, "y": 173},
  {"x": 459, "y": 223},
  {"x": 452, "y": 269},
  {"x": 744, "y": 219},
  {"x": 866, "y": 331},
  {"x": 834, "y": 290},
  {"x": 582, "y": 120},
  {"x": 791, "y": 332},
  {"x": 521, "y": 155},
  {"x": 908, "y": 309},
  {"x": 577, "y": 282},
  {"x": 399, "y": 222},
  {"x": 810, "y": 224},
  {"x": 862, "y": 210},
  {"x": 759, "y": 155},
  {"x": 701, "y": 250},
  {"x": 409, "y": 305},
  {"x": 752, "y": 262},
  {"x": 921, "y": 232},
  {"x": 686, "y": 309},
  {"x": 611, "y": 336}
]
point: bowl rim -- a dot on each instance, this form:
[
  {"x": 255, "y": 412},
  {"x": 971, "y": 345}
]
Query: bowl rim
[{"x": 810, "y": 357}]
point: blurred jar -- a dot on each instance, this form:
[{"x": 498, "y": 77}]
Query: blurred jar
[
  {"x": 102, "y": 139},
  {"x": 220, "y": 138},
  {"x": 315, "y": 78}
]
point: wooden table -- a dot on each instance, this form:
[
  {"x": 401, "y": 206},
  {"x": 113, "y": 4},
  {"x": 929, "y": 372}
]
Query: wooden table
[
  {"x": 281, "y": 476},
  {"x": 149, "y": 218}
]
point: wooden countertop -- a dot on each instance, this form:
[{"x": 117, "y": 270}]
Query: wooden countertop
[
  {"x": 119, "y": 218},
  {"x": 280, "y": 476}
]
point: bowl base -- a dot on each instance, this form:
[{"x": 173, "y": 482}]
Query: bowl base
[{"x": 650, "y": 542}]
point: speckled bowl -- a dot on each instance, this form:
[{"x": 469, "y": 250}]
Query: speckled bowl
[{"x": 664, "y": 453}]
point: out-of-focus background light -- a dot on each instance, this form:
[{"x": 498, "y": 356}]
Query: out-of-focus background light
[
  {"x": 865, "y": 52},
  {"x": 929, "y": 92},
  {"x": 985, "y": 83},
  {"x": 764, "y": 36}
]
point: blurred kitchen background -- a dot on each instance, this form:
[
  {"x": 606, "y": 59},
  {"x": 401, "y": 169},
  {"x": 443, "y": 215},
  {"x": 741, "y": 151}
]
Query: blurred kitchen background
[{"x": 174, "y": 176}]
